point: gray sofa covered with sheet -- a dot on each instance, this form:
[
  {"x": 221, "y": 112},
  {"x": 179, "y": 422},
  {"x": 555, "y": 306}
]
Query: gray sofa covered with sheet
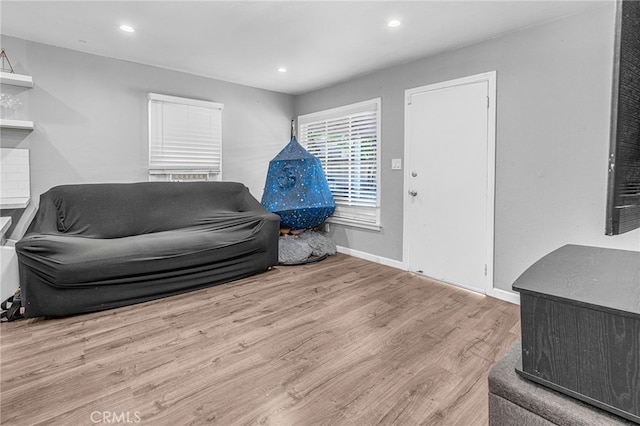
[{"x": 99, "y": 246}]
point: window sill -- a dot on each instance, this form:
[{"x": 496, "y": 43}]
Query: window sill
[{"x": 354, "y": 224}]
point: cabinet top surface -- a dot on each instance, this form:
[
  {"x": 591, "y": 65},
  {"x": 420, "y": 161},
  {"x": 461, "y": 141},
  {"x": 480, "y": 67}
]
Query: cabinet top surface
[{"x": 596, "y": 276}]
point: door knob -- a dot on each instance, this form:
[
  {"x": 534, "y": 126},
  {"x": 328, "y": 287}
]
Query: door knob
[{"x": 413, "y": 192}]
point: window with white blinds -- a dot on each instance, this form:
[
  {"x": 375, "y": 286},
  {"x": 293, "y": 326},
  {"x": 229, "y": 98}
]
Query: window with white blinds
[
  {"x": 185, "y": 135},
  {"x": 347, "y": 142}
]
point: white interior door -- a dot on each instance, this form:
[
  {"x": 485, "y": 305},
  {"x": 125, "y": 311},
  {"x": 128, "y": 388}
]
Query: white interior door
[{"x": 449, "y": 181}]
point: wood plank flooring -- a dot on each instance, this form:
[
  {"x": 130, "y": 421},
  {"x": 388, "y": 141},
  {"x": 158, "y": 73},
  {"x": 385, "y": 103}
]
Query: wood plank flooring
[{"x": 340, "y": 342}]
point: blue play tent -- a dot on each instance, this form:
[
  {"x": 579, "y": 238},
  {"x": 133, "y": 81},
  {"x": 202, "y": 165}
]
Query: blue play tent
[{"x": 296, "y": 189}]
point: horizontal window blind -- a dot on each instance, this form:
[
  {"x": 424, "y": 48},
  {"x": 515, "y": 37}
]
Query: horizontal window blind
[
  {"x": 346, "y": 140},
  {"x": 184, "y": 134}
]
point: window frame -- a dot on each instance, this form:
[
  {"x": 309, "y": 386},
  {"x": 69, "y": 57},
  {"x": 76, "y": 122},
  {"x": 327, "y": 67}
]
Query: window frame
[
  {"x": 345, "y": 214},
  {"x": 169, "y": 173}
]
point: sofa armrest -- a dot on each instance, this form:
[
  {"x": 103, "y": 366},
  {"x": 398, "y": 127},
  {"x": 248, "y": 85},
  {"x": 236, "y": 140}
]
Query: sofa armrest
[
  {"x": 45, "y": 220},
  {"x": 248, "y": 203}
]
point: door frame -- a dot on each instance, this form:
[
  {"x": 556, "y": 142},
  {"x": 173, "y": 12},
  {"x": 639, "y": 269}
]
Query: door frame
[{"x": 490, "y": 78}]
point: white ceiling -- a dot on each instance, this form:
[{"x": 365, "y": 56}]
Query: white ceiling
[{"x": 319, "y": 42}]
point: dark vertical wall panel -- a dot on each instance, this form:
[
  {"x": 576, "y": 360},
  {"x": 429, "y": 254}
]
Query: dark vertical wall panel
[{"x": 623, "y": 212}]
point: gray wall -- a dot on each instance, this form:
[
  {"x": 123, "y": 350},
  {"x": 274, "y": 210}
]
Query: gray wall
[
  {"x": 90, "y": 115},
  {"x": 554, "y": 85},
  {"x": 553, "y": 112}
]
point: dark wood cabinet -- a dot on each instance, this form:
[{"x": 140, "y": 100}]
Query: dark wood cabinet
[{"x": 580, "y": 312}]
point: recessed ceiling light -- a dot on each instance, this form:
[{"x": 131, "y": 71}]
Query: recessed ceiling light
[
  {"x": 127, "y": 28},
  {"x": 394, "y": 23},
  {"x": 282, "y": 69}
]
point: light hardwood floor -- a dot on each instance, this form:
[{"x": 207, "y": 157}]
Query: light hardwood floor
[{"x": 341, "y": 342}]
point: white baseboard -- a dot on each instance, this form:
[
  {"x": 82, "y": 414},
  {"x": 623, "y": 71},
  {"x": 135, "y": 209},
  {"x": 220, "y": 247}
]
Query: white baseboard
[
  {"x": 497, "y": 293},
  {"x": 372, "y": 257},
  {"x": 505, "y": 295}
]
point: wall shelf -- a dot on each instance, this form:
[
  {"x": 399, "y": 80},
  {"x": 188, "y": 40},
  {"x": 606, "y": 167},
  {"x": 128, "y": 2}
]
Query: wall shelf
[
  {"x": 5, "y": 223},
  {"x": 19, "y": 80},
  {"x": 16, "y": 79},
  {"x": 14, "y": 203},
  {"x": 16, "y": 124}
]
